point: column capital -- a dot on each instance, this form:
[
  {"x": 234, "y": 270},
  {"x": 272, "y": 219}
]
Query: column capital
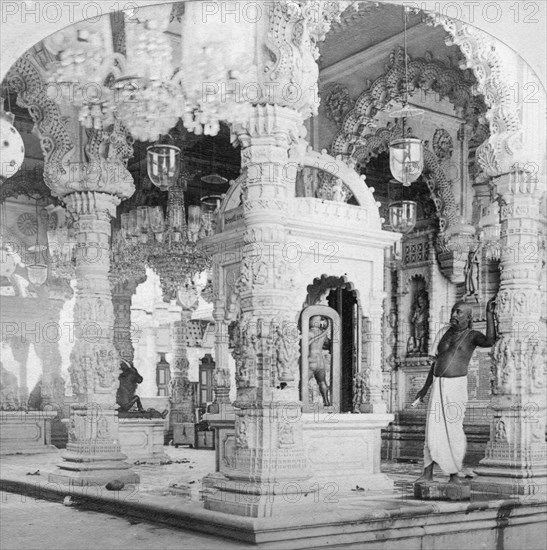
[
  {"x": 269, "y": 125},
  {"x": 92, "y": 202}
]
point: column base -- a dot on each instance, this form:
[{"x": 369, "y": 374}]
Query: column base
[
  {"x": 261, "y": 500},
  {"x": 505, "y": 482},
  {"x": 99, "y": 468},
  {"x": 94, "y": 478}
]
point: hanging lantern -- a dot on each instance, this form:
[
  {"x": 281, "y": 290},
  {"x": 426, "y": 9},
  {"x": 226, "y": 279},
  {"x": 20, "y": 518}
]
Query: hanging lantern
[
  {"x": 163, "y": 164},
  {"x": 12, "y": 148},
  {"x": 406, "y": 159},
  {"x": 214, "y": 179},
  {"x": 402, "y": 216},
  {"x": 491, "y": 232},
  {"x": 194, "y": 222},
  {"x": 37, "y": 274},
  {"x": 209, "y": 207}
]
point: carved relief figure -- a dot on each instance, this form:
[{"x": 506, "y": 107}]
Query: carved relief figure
[
  {"x": 359, "y": 391},
  {"x": 471, "y": 272},
  {"x": 9, "y": 390},
  {"x": 419, "y": 325},
  {"x": 318, "y": 335}
]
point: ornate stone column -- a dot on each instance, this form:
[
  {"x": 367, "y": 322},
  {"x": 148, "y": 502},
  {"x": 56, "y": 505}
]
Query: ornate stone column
[
  {"x": 20, "y": 349},
  {"x": 268, "y": 473},
  {"x": 515, "y": 459},
  {"x": 222, "y": 371},
  {"x": 180, "y": 387},
  {"x": 372, "y": 343},
  {"x": 122, "y": 293},
  {"x": 93, "y": 454}
]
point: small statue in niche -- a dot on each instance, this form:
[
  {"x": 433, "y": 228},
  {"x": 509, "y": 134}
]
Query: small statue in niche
[
  {"x": 419, "y": 325},
  {"x": 471, "y": 272},
  {"x": 125, "y": 396},
  {"x": 318, "y": 338}
]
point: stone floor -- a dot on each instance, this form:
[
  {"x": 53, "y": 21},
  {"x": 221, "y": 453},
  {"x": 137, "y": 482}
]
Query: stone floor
[
  {"x": 28, "y": 524},
  {"x": 184, "y": 473},
  {"x": 169, "y": 495}
]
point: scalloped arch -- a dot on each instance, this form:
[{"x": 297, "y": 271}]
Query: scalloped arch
[{"x": 426, "y": 74}]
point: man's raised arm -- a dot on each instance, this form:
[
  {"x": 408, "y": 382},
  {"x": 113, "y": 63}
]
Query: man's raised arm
[{"x": 486, "y": 341}]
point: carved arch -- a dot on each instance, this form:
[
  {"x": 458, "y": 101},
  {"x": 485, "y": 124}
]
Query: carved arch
[
  {"x": 426, "y": 74},
  {"x": 323, "y": 284},
  {"x": 335, "y": 167},
  {"x": 25, "y": 79},
  {"x": 439, "y": 185},
  {"x": 497, "y": 153}
]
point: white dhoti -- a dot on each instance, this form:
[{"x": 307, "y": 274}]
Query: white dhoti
[{"x": 445, "y": 441}]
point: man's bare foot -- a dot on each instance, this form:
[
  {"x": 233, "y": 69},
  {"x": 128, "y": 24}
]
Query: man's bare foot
[
  {"x": 427, "y": 475},
  {"x": 455, "y": 479}
]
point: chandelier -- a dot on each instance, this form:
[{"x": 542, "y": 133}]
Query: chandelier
[
  {"x": 141, "y": 86},
  {"x": 83, "y": 65},
  {"x": 169, "y": 243}
]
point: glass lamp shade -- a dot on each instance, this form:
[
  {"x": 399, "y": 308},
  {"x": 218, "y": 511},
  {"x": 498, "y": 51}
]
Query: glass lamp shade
[
  {"x": 194, "y": 218},
  {"x": 402, "y": 216},
  {"x": 143, "y": 219},
  {"x": 157, "y": 222},
  {"x": 37, "y": 273},
  {"x": 406, "y": 159},
  {"x": 163, "y": 164},
  {"x": 12, "y": 149}
]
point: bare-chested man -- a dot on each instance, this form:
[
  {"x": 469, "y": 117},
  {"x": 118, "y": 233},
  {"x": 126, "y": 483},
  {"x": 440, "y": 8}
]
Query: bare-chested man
[{"x": 445, "y": 442}]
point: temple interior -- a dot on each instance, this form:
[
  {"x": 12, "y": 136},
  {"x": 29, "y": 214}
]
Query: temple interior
[{"x": 233, "y": 235}]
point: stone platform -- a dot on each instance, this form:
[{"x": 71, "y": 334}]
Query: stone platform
[
  {"x": 343, "y": 450},
  {"x": 26, "y": 432},
  {"x": 359, "y": 519},
  {"x": 141, "y": 439}
]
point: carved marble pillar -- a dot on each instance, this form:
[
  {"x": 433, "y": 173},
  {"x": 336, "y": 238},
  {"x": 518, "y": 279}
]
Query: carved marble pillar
[
  {"x": 180, "y": 387},
  {"x": 515, "y": 459},
  {"x": 20, "y": 349},
  {"x": 122, "y": 293},
  {"x": 268, "y": 472},
  {"x": 222, "y": 371},
  {"x": 53, "y": 384},
  {"x": 372, "y": 339},
  {"x": 93, "y": 454}
]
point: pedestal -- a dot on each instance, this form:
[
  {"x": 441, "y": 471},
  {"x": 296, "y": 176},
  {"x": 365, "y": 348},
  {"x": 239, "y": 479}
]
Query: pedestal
[
  {"x": 343, "y": 450},
  {"x": 26, "y": 432},
  {"x": 222, "y": 423},
  {"x": 437, "y": 490},
  {"x": 141, "y": 439}
]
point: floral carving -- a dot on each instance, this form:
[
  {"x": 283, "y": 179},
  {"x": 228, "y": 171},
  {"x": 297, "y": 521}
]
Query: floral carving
[
  {"x": 337, "y": 103},
  {"x": 285, "y": 434},
  {"x": 442, "y": 143}
]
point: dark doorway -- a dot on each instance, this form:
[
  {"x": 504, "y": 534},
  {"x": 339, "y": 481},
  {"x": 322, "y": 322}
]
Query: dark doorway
[{"x": 345, "y": 303}]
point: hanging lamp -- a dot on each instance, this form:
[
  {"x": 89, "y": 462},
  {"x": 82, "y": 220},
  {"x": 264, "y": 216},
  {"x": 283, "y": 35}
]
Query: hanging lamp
[
  {"x": 37, "y": 271},
  {"x": 163, "y": 164},
  {"x": 402, "y": 213},
  {"x": 406, "y": 153}
]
